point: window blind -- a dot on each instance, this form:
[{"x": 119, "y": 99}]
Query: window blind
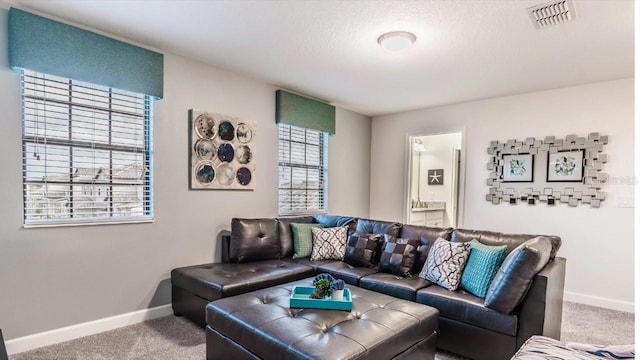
[
  {"x": 86, "y": 152},
  {"x": 302, "y": 170}
]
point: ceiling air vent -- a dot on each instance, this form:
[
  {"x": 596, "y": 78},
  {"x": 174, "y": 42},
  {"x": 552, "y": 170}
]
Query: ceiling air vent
[{"x": 552, "y": 14}]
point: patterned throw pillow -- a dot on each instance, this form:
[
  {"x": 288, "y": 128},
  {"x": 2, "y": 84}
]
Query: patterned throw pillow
[
  {"x": 302, "y": 239},
  {"x": 398, "y": 256},
  {"x": 361, "y": 249},
  {"x": 445, "y": 263},
  {"x": 329, "y": 243},
  {"x": 483, "y": 264}
]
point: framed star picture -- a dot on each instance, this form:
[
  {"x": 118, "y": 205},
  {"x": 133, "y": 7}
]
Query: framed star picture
[{"x": 435, "y": 177}]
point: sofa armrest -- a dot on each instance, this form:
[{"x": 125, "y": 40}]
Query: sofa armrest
[{"x": 541, "y": 310}]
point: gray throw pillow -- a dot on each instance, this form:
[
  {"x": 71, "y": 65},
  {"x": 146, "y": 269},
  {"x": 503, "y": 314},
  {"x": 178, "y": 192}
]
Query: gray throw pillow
[{"x": 511, "y": 283}]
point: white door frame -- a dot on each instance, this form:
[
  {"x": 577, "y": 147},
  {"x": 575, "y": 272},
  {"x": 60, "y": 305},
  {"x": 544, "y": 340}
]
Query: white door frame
[{"x": 408, "y": 171}]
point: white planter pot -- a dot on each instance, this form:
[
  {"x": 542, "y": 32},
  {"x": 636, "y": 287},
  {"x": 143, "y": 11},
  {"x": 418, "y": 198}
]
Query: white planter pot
[{"x": 337, "y": 294}]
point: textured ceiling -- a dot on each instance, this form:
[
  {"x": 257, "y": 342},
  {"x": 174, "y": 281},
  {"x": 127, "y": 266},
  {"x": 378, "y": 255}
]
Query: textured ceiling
[{"x": 465, "y": 50}]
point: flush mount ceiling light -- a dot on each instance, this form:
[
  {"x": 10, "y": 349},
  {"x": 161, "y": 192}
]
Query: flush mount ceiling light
[{"x": 396, "y": 41}]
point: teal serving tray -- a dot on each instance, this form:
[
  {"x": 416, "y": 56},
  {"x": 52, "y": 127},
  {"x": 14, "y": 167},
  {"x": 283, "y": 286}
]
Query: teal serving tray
[{"x": 300, "y": 299}]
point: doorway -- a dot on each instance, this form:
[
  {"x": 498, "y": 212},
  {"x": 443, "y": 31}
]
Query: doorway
[{"x": 433, "y": 196}]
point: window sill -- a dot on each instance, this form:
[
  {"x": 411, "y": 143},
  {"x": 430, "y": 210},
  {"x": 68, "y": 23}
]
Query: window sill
[{"x": 37, "y": 225}]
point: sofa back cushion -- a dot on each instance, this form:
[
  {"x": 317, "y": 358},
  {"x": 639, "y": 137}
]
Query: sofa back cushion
[
  {"x": 254, "y": 239},
  {"x": 286, "y": 236},
  {"x": 330, "y": 221},
  {"x": 511, "y": 283},
  {"x": 427, "y": 237},
  {"x": 496, "y": 238},
  {"x": 366, "y": 226}
]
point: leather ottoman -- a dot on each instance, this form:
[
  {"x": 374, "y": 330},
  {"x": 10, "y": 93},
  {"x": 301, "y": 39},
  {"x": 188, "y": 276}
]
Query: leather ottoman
[{"x": 260, "y": 325}]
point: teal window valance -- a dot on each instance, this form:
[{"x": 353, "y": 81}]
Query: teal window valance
[
  {"x": 300, "y": 111},
  {"x": 44, "y": 45}
]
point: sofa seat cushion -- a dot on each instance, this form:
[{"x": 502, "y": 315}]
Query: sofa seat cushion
[
  {"x": 466, "y": 308},
  {"x": 342, "y": 270},
  {"x": 398, "y": 286},
  {"x": 308, "y": 262},
  {"x": 215, "y": 281}
]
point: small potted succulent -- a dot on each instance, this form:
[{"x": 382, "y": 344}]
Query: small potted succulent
[
  {"x": 337, "y": 289},
  {"x": 322, "y": 283}
]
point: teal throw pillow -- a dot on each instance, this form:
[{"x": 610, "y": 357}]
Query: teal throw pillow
[
  {"x": 302, "y": 239},
  {"x": 483, "y": 264}
]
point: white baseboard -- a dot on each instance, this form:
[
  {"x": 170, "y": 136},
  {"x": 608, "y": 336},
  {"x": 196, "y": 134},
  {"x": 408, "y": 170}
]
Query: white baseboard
[
  {"x": 55, "y": 336},
  {"x": 598, "y": 301}
]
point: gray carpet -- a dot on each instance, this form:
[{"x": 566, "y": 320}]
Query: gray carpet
[{"x": 172, "y": 338}]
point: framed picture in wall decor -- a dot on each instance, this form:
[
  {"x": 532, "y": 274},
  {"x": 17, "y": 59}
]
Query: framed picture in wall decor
[
  {"x": 222, "y": 152},
  {"x": 517, "y": 168},
  {"x": 565, "y": 166}
]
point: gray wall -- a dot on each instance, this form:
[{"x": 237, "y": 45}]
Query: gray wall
[
  {"x": 597, "y": 242},
  {"x": 56, "y": 277}
]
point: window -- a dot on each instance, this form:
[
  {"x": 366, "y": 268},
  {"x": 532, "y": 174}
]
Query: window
[
  {"x": 302, "y": 170},
  {"x": 86, "y": 152}
]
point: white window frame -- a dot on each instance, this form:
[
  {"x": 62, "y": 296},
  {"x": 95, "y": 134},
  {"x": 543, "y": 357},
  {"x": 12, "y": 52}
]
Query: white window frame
[
  {"x": 136, "y": 181},
  {"x": 310, "y": 164}
]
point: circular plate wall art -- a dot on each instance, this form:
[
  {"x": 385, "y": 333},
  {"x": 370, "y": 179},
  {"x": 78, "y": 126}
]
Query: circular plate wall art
[
  {"x": 205, "y": 126},
  {"x": 226, "y": 131},
  {"x": 244, "y": 176},
  {"x": 226, "y": 152},
  {"x": 205, "y": 172},
  {"x": 222, "y": 152},
  {"x": 226, "y": 174},
  {"x": 243, "y": 154},
  {"x": 205, "y": 149},
  {"x": 244, "y": 133}
]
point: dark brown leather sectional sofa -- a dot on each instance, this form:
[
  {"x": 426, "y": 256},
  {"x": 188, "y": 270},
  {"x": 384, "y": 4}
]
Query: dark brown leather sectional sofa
[{"x": 258, "y": 255}]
